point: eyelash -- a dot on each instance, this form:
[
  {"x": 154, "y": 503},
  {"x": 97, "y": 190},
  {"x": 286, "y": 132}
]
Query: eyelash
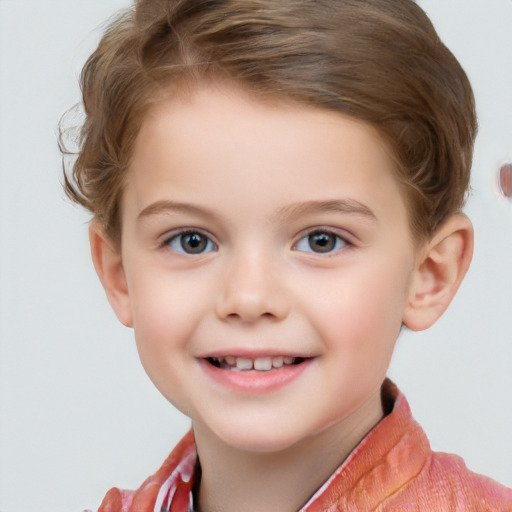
[
  {"x": 332, "y": 241},
  {"x": 176, "y": 239},
  {"x": 330, "y": 237}
]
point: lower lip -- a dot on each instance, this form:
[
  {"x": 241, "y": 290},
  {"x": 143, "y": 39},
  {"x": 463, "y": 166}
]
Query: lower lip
[{"x": 254, "y": 381}]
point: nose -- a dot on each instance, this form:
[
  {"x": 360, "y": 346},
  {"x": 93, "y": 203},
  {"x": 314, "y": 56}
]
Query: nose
[{"x": 252, "y": 289}]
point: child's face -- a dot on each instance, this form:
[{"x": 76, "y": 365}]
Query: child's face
[{"x": 252, "y": 234}]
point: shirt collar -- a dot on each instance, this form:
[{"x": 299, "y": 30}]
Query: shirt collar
[{"x": 396, "y": 433}]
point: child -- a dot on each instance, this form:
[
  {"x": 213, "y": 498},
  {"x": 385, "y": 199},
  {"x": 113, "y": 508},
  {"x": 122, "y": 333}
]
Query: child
[{"x": 276, "y": 188}]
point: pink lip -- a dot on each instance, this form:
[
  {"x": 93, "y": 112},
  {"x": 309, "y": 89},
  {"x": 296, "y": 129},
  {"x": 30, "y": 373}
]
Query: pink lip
[
  {"x": 253, "y": 354},
  {"x": 254, "y": 381}
]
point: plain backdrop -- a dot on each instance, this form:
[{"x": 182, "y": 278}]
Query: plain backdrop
[{"x": 77, "y": 413}]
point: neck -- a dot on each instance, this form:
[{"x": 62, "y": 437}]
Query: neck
[{"x": 235, "y": 480}]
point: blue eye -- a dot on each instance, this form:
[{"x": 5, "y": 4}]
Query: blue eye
[
  {"x": 320, "y": 242},
  {"x": 191, "y": 242}
]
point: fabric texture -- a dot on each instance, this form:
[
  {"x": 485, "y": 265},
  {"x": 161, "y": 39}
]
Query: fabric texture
[{"x": 393, "y": 469}]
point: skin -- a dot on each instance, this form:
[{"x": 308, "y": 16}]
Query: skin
[{"x": 250, "y": 182}]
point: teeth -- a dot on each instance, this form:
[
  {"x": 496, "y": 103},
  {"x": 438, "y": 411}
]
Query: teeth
[
  {"x": 243, "y": 364},
  {"x": 259, "y": 363},
  {"x": 277, "y": 362},
  {"x": 263, "y": 363}
]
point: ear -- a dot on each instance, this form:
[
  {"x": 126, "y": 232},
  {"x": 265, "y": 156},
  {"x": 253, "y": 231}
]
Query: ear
[
  {"x": 440, "y": 268},
  {"x": 108, "y": 262}
]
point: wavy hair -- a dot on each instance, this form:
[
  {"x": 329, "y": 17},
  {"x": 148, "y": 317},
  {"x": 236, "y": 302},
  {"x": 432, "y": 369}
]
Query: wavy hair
[{"x": 379, "y": 61}]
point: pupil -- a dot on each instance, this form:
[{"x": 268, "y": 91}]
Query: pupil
[
  {"x": 193, "y": 243},
  {"x": 322, "y": 242}
]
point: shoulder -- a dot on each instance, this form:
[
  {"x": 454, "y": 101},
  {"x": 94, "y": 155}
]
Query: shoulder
[
  {"x": 116, "y": 500},
  {"x": 445, "y": 484},
  {"x": 173, "y": 480},
  {"x": 442, "y": 482},
  {"x": 393, "y": 469},
  {"x": 464, "y": 488}
]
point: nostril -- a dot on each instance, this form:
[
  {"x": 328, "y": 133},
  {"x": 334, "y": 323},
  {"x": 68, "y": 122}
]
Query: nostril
[{"x": 251, "y": 300}]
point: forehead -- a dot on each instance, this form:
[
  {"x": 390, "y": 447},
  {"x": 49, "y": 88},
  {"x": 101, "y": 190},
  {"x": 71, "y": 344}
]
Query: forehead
[{"x": 225, "y": 146}]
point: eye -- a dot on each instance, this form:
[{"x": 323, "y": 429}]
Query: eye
[
  {"x": 320, "y": 241},
  {"x": 191, "y": 242}
]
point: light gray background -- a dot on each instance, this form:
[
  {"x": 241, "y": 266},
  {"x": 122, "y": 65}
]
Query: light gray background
[{"x": 77, "y": 413}]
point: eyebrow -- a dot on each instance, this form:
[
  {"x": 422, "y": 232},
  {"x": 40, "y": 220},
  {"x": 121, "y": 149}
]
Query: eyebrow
[
  {"x": 167, "y": 206},
  {"x": 349, "y": 206}
]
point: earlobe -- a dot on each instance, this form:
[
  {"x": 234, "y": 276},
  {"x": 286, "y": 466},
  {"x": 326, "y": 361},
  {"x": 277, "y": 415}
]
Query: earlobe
[
  {"x": 108, "y": 262},
  {"x": 440, "y": 269}
]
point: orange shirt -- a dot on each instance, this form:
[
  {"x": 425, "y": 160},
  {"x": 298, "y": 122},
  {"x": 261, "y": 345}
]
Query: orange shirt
[{"x": 393, "y": 469}]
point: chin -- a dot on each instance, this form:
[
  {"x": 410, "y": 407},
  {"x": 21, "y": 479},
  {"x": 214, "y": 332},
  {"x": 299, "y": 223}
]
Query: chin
[{"x": 258, "y": 440}]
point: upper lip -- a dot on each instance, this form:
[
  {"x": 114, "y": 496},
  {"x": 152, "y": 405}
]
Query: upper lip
[{"x": 255, "y": 354}]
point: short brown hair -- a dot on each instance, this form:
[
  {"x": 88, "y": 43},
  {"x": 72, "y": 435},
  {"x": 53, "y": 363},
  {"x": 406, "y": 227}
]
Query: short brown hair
[{"x": 379, "y": 61}]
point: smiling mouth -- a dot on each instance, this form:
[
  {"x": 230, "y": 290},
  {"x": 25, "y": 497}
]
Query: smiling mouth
[{"x": 240, "y": 364}]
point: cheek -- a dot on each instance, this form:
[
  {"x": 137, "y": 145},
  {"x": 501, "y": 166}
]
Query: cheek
[
  {"x": 362, "y": 308},
  {"x": 164, "y": 323},
  {"x": 165, "y": 313}
]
